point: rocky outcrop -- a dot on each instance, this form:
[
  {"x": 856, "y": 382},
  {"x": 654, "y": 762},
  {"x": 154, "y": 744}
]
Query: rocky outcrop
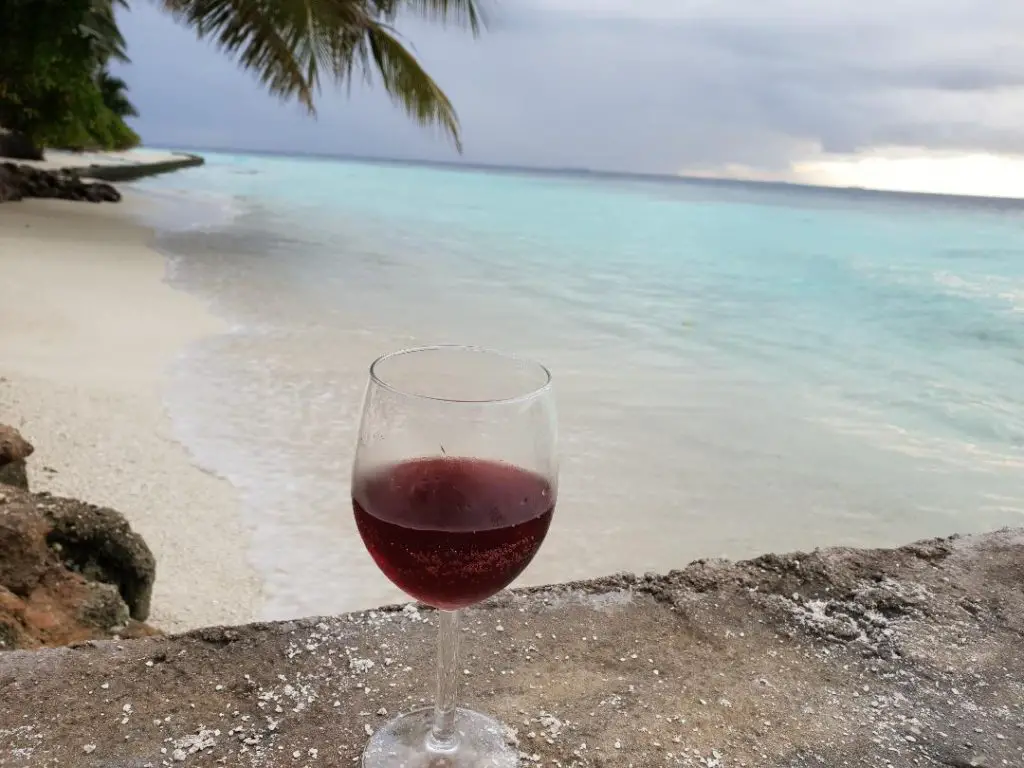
[
  {"x": 69, "y": 571},
  {"x": 14, "y": 449},
  {"x": 18, "y": 182},
  {"x": 99, "y": 544}
]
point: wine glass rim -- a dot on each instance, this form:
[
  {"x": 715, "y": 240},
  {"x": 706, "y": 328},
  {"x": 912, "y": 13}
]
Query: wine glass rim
[{"x": 525, "y": 396}]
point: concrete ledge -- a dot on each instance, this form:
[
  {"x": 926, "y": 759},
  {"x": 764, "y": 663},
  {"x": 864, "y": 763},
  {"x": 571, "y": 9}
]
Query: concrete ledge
[
  {"x": 907, "y": 657},
  {"x": 116, "y": 166},
  {"x": 126, "y": 172}
]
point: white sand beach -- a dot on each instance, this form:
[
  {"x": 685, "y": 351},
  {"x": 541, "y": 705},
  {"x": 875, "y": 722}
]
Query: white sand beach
[{"x": 88, "y": 329}]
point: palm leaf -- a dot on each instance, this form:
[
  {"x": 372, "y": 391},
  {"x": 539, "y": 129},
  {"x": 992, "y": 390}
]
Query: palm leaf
[
  {"x": 408, "y": 84},
  {"x": 461, "y": 12},
  {"x": 100, "y": 24},
  {"x": 114, "y": 93},
  {"x": 262, "y": 34},
  {"x": 289, "y": 43}
]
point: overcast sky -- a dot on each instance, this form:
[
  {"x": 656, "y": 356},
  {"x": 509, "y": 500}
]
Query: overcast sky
[{"x": 747, "y": 87}]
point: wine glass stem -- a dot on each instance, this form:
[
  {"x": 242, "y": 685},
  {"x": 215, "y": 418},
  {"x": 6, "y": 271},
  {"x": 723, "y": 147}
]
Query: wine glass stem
[{"x": 443, "y": 737}]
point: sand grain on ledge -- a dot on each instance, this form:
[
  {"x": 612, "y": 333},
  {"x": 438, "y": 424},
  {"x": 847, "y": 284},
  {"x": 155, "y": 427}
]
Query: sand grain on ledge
[{"x": 88, "y": 329}]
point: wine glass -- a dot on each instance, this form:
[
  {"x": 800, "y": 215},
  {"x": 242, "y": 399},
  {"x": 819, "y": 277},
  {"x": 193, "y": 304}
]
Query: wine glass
[{"x": 453, "y": 490}]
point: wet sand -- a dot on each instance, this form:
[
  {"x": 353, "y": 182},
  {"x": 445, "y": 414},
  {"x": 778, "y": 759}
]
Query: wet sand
[{"x": 88, "y": 333}]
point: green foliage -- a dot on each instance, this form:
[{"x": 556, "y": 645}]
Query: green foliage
[
  {"x": 100, "y": 25},
  {"x": 291, "y": 44},
  {"x": 56, "y": 90},
  {"x": 113, "y": 92},
  {"x": 50, "y": 57}
]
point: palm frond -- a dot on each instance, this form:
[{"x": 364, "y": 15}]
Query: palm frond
[
  {"x": 461, "y": 12},
  {"x": 114, "y": 90},
  {"x": 290, "y": 44},
  {"x": 265, "y": 36},
  {"x": 100, "y": 24},
  {"x": 409, "y": 85}
]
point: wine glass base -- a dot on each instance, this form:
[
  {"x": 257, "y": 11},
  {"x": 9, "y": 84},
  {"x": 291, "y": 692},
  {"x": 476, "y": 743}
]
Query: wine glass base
[{"x": 403, "y": 743}]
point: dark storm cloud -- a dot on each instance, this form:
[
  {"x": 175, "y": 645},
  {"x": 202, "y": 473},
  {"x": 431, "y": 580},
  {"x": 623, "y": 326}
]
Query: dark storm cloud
[{"x": 655, "y": 85}]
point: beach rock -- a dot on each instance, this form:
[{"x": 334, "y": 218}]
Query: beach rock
[
  {"x": 99, "y": 544},
  {"x": 10, "y": 186},
  {"x": 14, "y": 474},
  {"x": 24, "y": 555},
  {"x": 11, "y": 183},
  {"x": 61, "y": 581},
  {"x": 101, "y": 606},
  {"x": 18, "y": 182},
  {"x": 14, "y": 449}
]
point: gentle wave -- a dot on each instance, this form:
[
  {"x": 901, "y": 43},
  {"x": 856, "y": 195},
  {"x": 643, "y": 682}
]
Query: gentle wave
[{"x": 997, "y": 287}]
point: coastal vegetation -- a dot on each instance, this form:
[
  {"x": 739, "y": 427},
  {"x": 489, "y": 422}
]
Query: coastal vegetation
[
  {"x": 53, "y": 55},
  {"x": 57, "y": 90}
]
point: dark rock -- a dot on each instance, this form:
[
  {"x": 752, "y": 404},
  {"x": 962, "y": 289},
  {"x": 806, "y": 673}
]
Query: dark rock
[
  {"x": 18, "y": 182},
  {"x": 10, "y": 185},
  {"x": 47, "y": 601},
  {"x": 103, "y": 606},
  {"x": 14, "y": 474},
  {"x": 14, "y": 449},
  {"x": 102, "y": 193},
  {"x": 99, "y": 544}
]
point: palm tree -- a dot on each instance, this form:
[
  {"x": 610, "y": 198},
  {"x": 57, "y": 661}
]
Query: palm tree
[
  {"x": 291, "y": 45},
  {"x": 100, "y": 25},
  {"x": 113, "y": 89}
]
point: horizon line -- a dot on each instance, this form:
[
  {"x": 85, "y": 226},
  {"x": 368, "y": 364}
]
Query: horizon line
[{"x": 539, "y": 170}]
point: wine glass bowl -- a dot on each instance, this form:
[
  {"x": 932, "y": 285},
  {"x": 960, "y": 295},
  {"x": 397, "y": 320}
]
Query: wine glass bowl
[
  {"x": 451, "y": 532},
  {"x": 453, "y": 490}
]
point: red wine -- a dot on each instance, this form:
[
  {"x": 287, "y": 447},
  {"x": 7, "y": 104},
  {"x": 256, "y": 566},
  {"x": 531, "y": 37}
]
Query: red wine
[{"x": 452, "y": 532}]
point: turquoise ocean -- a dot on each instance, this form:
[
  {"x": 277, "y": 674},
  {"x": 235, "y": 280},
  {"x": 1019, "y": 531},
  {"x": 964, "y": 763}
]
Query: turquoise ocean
[{"x": 740, "y": 367}]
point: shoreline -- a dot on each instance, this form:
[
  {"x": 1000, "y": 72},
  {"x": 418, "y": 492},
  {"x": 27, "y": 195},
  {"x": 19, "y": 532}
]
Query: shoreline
[{"x": 89, "y": 329}]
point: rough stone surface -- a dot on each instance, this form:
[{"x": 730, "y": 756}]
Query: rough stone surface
[
  {"x": 14, "y": 449},
  {"x": 908, "y": 657},
  {"x": 14, "y": 474},
  {"x": 68, "y": 572},
  {"x": 18, "y": 182},
  {"x": 121, "y": 172},
  {"x": 99, "y": 544}
]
